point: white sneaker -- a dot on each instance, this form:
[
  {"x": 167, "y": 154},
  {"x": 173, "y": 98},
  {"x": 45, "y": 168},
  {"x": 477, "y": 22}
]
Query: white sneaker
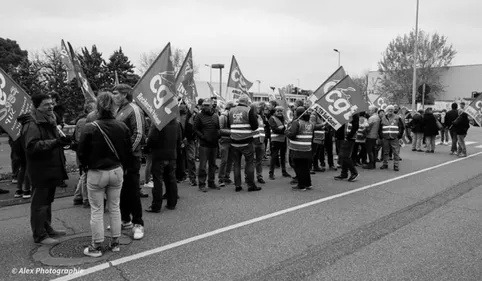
[
  {"x": 149, "y": 184},
  {"x": 138, "y": 231}
]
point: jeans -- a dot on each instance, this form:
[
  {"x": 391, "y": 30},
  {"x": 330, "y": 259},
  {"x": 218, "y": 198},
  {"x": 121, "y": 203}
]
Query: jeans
[
  {"x": 191, "y": 159},
  {"x": 417, "y": 141},
  {"x": 164, "y": 171},
  {"x": 15, "y": 159},
  {"x": 317, "y": 155},
  {"x": 207, "y": 155},
  {"x": 258, "y": 160},
  {"x": 430, "y": 143},
  {"x": 444, "y": 135},
  {"x": 248, "y": 152},
  {"x": 461, "y": 142},
  {"x": 394, "y": 145},
  {"x": 328, "y": 148},
  {"x": 226, "y": 161},
  {"x": 370, "y": 147},
  {"x": 359, "y": 155},
  {"x": 346, "y": 150},
  {"x": 147, "y": 172},
  {"x": 23, "y": 180},
  {"x": 453, "y": 136},
  {"x": 278, "y": 150},
  {"x": 130, "y": 198},
  {"x": 302, "y": 170},
  {"x": 81, "y": 189},
  {"x": 408, "y": 134},
  {"x": 41, "y": 211},
  {"x": 100, "y": 183}
]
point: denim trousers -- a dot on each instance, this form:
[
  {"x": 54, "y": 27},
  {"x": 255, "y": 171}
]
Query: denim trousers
[
  {"x": 248, "y": 152},
  {"x": 191, "y": 159},
  {"x": 130, "y": 198},
  {"x": 81, "y": 189},
  {"x": 417, "y": 141},
  {"x": 207, "y": 155},
  {"x": 258, "y": 158},
  {"x": 100, "y": 183},
  {"x": 164, "y": 171},
  {"x": 346, "y": 150},
  {"x": 278, "y": 150},
  {"x": 394, "y": 146},
  {"x": 23, "y": 180},
  {"x": 430, "y": 140},
  {"x": 461, "y": 144},
  {"x": 453, "y": 136},
  {"x": 41, "y": 211},
  {"x": 226, "y": 165}
]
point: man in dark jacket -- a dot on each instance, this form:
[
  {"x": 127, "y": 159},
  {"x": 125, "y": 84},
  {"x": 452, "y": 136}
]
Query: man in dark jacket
[
  {"x": 206, "y": 127},
  {"x": 164, "y": 146},
  {"x": 416, "y": 125},
  {"x": 449, "y": 120},
  {"x": 45, "y": 166},
  {"x": 346, "y": 149},
  {"x": 462, "y": 125},
  {"x": 190, "y": 146}
]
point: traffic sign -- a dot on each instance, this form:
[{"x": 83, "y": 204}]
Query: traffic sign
[{"x": 424, "y": 89}]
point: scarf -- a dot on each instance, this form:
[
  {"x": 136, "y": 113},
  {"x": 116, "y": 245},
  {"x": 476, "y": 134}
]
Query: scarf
[{"x": 44, "y": 117}]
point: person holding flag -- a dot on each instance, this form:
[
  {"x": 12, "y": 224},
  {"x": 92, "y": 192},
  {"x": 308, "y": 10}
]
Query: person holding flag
[{"x": 350, "y": 130}]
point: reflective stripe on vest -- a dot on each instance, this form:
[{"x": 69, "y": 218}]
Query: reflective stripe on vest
[
  {"x": 259, "y": 133},
  {"x": 318, "y": 136},
  {"x": 277, "y": 137},
  {"x": 361, "y": 134},
  {"x": 240, "y": 127},
  {"x": 302, "y": 141},
  {"x": 390, "y": 128}
]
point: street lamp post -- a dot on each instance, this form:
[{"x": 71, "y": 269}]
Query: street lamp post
[
  {"x": 336, "y": 50},
  {"x": 298, "y": 82},
  {"x": 220, "y": 66},
  {"x": 415, "y": 50},
  {"x": 259, "y": 85},
  {"x": 210, "y": 73}
]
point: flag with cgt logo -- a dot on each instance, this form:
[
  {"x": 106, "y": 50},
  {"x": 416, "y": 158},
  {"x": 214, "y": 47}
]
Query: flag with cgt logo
[
  {"x": 475, "y": 110},
  {"x": 328, "y": 84},
  {"x": 14, "y": 102},
  {"x": 185, "y": 86},
  {"x": 340, "y": 103},
  {"x": 154, "y": 92},
  {"x": 237, "y": 84}
]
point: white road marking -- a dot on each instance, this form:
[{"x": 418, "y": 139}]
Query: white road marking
[
  {"x": 480, "y": 146},
  {"x": 470, "y": 142},
  {"x": 161, "y": 249}
]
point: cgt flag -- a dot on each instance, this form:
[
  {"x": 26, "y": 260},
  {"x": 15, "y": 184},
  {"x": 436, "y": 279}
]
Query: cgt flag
[
  {"x": 154, "y": 91},
  {"x": 185, "y": 86},
  {"x": 340, "y": 103},
  {"x": 475, "y": 110},
  {"x": 237, "y": 84},
  {"x": 67, "y": 61},
  {"x": 288, "y": 114},
  {"x": 81, "y": 78},
  {"x": 381, "y": 102},
  {"x": 14, "y": 101},
  {"x": 328, "y": 84}
]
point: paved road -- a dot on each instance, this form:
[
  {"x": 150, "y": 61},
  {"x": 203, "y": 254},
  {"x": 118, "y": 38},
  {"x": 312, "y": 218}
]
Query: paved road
[{"x": 421, "y": 223}]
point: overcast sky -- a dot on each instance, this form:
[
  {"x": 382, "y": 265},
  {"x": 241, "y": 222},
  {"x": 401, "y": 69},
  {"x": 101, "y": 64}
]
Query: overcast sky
[{"x": 275, "y": 41}]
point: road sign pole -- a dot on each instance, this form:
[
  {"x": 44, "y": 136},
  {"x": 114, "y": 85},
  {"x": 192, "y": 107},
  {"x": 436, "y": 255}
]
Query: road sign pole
[{"x": 423, "y": 96}]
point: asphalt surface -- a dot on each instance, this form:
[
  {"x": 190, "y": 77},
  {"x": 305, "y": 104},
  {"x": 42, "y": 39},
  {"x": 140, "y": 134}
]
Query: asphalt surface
[{"x": 424, "y": 226}]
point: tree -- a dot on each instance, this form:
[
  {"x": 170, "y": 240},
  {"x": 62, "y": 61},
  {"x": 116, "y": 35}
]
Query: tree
[
  {"x": 119, "y": 62},
  {"x": 10, "y": 54},
  {"x": 433, "y": 55},
  {"x": 95, "y": 69},
  {"x": 178, "y": 56},
  {"x": 28, "y": 75},
  {"x": 362, "y": 83}
]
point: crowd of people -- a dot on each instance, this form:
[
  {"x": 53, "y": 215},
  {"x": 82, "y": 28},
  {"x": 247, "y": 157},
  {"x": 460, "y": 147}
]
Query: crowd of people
[{"x": 113, "y": 135}]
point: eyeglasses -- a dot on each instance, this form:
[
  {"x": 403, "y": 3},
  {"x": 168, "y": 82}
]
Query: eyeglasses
[{"x": 279, "y": 110}]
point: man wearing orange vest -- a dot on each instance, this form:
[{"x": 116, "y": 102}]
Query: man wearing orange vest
[
  {"x": 242, "y": 122},
  {"x": 392, "y": 128},
  {"x": 300, "y": 135},
  {"x": 346, "y": 149},
  {"x": 258, "y": 140}
]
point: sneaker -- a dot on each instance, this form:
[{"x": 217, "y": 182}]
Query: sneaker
[
  {"x": 3, "y": 191},
  {"x": 309, "y": 187},
  {"x": 152, "y": 210},
  {"x": 203, "y": 188},
  {"x": 254, "y": 188},
  {"x": 238, "y": 188},
  {"x": 93, "y": 251},
  {"x": 86, "y": 204},
  {"x": 298, "y": 188},
  {"x": 294, "y": 182},
  {"x": 419, "y": 150},
  {"x": 48, "y": 241},
  {"x": 221, "y": 184},
  {"x": 396, "y": 169},
  {"x": 271, "y": 177},
  {"x": 462, "y": 155},
  {"x": 214, "y": 186},
  {"x": 138, "y": 231},
  {"x": 127, "y": 225},
  {"x": 57, "y": 233},
  {"x": 14, "y": 181},
  {"x": 261, "y": 180},
  {"x": 114, "y": 245},
  {"x": 353, "y": 178},
  {"x": 452, "y": 153},
  {"x": 341, "y": 177},
  {"x": 414, "y": 149},
  {"x": 149, "y": 184},
  {"x": 143, "y": 194},
  {"x": 18, "y": 194},
  {"x": 384, "y": 167},
  {"x": 286, "y": 175},
  {"x": 26, "y": 194}
]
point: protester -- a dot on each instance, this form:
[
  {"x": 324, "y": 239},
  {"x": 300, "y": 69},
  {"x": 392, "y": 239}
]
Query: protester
[
  {"x": 300, "y": 136},
  {"x": 15, "y": 159},
  {"x": 206, "y": 127},
  {"x": 407, "y": 120},
  {"x": 328, "y": 147},
  {"x": 416, "y": 126},
  {"x": 190, "y": 147},
  {"x": 80, "y": 194},
  {"x": 59, "y": 112},
  {"x": 359, "y": 154},
  {"x": 105, "y": 151},
  {"x": 317, "y": 146},
  {"x": 462, "y": 125},
  {"x": 22, "y": 180},
  {"x": 350, "y": 130},
  {"x": 258, "y": 141},
  {"x": 181, "y": 156},
  {"x": 242, "y": 122},
  {"x": 450, "y": 117},
  {"x": 148, "y": 183},
  {"x": 278, "y": 142},
  {"x": 225, "y": 147},
  {"x": 392, "y": 128},
  {"x": 372, "y": 136},
  {"x": 164, "y": 145},
  {"x": 444, "y": 132},
  {"x": 430, "y": 129},
  {"x": 45, "y": 166},
  {"x": 130, "y": 199},
  {"x": 379, "y": 147}
]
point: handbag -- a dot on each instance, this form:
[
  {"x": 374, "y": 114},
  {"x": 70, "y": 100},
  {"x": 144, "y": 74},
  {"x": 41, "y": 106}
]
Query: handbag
[
  {"x": 439, "y": 125},
  {"x": 107, "y": 140}
]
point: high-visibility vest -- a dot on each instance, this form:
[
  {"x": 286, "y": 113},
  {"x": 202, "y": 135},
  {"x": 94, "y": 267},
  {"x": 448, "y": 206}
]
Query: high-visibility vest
[
  {"x": 259, "y": 133},
  {"x": 275, "y": 136},
  {"x": 348, "y": 129},
  {"x": 239, "y": 123},
  {"x": 390, "y": 128},
  {"x": 302, "y": 141},
  {"x": 361, "y": 134},
  {"x": 319, "y": 136}
]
